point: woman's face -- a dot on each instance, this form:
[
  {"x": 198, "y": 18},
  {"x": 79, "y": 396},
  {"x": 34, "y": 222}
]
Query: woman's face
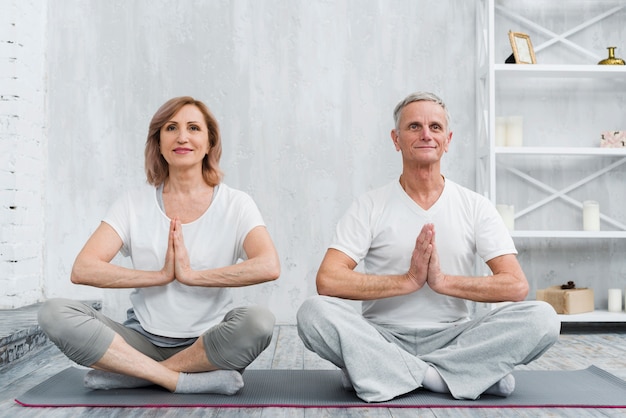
[{"x": 185, "y": 138}]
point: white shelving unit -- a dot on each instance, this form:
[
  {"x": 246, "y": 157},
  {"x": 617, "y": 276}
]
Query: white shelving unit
[{"x": 496, "y": 80}]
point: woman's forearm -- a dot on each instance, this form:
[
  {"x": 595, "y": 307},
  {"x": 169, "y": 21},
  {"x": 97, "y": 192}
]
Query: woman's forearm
[{"x": 106, "y": 275}]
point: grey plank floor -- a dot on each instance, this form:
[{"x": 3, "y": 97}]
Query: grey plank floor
[{"x": 577, "y": 348}]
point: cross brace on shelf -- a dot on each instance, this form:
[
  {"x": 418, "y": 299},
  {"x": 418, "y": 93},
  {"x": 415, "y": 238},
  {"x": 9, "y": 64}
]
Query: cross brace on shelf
[
  {"x": 554, "y": 37},
  {"x": 562, "y": 194}
]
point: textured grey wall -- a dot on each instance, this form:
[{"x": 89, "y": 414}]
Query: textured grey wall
[{"x": 304, "y": 92}]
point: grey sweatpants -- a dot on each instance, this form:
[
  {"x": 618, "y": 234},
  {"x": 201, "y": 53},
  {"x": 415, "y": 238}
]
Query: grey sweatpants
[
  {"x": 385, "y": 362},
  {"x": 84, "y": 334}
]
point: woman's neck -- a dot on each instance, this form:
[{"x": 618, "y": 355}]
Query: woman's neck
[{"x": 184, "y": 182}]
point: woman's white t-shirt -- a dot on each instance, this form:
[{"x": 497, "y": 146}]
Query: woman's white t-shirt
[
  {"x": 213, "y": 240},
  {"x": 381, "y": 227}
]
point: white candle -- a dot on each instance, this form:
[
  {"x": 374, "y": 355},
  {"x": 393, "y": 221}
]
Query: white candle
[
  {"x": 591, "y": 215},
  {"x": 507, "y": 212},
  {"x": 514, "y": 131},
  {"x": 615, "y": 300},
  {"x": 501, "y": 131}
]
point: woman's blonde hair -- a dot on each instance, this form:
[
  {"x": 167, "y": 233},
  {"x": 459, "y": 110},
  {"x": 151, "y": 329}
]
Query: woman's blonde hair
[{"x": 157, "y": 169}]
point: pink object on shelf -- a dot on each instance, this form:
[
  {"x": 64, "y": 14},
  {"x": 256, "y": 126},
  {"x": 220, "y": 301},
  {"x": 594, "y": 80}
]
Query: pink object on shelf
[{"x": 613, "y": 139}]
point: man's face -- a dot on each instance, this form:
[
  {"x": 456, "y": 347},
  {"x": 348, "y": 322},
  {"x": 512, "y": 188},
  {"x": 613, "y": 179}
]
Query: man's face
[{"x": 422, "y": 135}]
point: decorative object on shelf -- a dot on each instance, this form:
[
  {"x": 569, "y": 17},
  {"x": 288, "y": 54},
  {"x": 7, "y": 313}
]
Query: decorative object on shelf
[
  {"x": 507, "y": 212},
  {"x": 510, "y": 59},
  {"x": 514, "y": 131},
  {"x": 568, "y": 301},
  {"x": 523, "y": 51},
  {"x": 509, "y": 131},
  {"x": 613, "y": 139},
  {"x": 591, "y": 215},
  {"x": 569, "y": 285},
  {"x": 615, "y": 300},
  {"x": 611, "y": 60}
]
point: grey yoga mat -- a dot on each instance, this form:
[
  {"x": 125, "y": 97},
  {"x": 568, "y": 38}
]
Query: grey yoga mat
[{"x": 588, "y": 388}]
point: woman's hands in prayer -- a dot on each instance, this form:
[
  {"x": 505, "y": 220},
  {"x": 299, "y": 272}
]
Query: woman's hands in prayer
[{"x": 177, "y": 265}]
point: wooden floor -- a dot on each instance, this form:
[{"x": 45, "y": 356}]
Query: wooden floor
[{"x": 577, "y": 348}]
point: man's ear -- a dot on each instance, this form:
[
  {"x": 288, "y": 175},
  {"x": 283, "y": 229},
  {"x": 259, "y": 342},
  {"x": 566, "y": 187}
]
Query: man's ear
[
  {"x": 449, "y": 140},
  {"x": 394, "y": 138}
]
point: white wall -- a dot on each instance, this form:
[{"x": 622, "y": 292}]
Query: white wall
[
  {"x": 22, "y": 151},
  {"x": 303, "y": 90}
]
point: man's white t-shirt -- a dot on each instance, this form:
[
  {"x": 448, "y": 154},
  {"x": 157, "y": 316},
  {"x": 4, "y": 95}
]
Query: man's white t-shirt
[
  {"x": 213, "y": 240},
  {"x": 381, "y": 227}
]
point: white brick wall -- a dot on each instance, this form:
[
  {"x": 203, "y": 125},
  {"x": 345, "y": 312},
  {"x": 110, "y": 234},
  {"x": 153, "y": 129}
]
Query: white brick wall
[{"x": 22, "y": 151}]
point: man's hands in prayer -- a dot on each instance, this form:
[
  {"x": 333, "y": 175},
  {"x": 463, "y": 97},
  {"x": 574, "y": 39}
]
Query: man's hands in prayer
[{"x": 425, "y": 266}]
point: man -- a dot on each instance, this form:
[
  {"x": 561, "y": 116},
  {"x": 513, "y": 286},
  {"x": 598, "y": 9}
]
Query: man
[{"x": 417, "y": 238}]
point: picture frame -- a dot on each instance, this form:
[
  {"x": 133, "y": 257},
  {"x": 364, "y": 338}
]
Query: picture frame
[{"x": 523, "y": 51}]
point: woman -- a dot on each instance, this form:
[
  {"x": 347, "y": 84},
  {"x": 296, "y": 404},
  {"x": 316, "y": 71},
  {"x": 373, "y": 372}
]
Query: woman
[{"x": 190, "y": 238}]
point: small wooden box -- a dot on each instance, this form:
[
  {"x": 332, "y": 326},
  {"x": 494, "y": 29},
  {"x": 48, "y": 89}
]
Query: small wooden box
[{"x": 568, "y": 301}]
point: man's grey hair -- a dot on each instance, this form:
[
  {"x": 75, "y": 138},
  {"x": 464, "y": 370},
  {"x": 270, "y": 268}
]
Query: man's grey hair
[{"x": 419, "y": 96}]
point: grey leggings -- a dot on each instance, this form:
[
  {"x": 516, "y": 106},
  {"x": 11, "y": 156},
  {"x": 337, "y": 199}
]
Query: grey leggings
[{"x": 84, "y": 334}]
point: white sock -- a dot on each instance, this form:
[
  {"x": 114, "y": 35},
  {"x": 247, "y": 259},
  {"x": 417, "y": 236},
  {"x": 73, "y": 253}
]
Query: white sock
[
  {"x": 504, "y": 387},
  {"x": 223, "y": 382},
  {"x": 99, "y": 379},
  {"x": 434, "y": 382}
]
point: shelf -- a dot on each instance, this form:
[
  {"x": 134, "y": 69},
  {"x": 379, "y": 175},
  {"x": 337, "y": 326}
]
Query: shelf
[
  {"x": 560, "y": 71},
  {"x": 582, "y": 151},
  {"x": 595, "y": 316},
  {"x": 567, "y": 234},
  {"x": 567, "y": 86}
]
